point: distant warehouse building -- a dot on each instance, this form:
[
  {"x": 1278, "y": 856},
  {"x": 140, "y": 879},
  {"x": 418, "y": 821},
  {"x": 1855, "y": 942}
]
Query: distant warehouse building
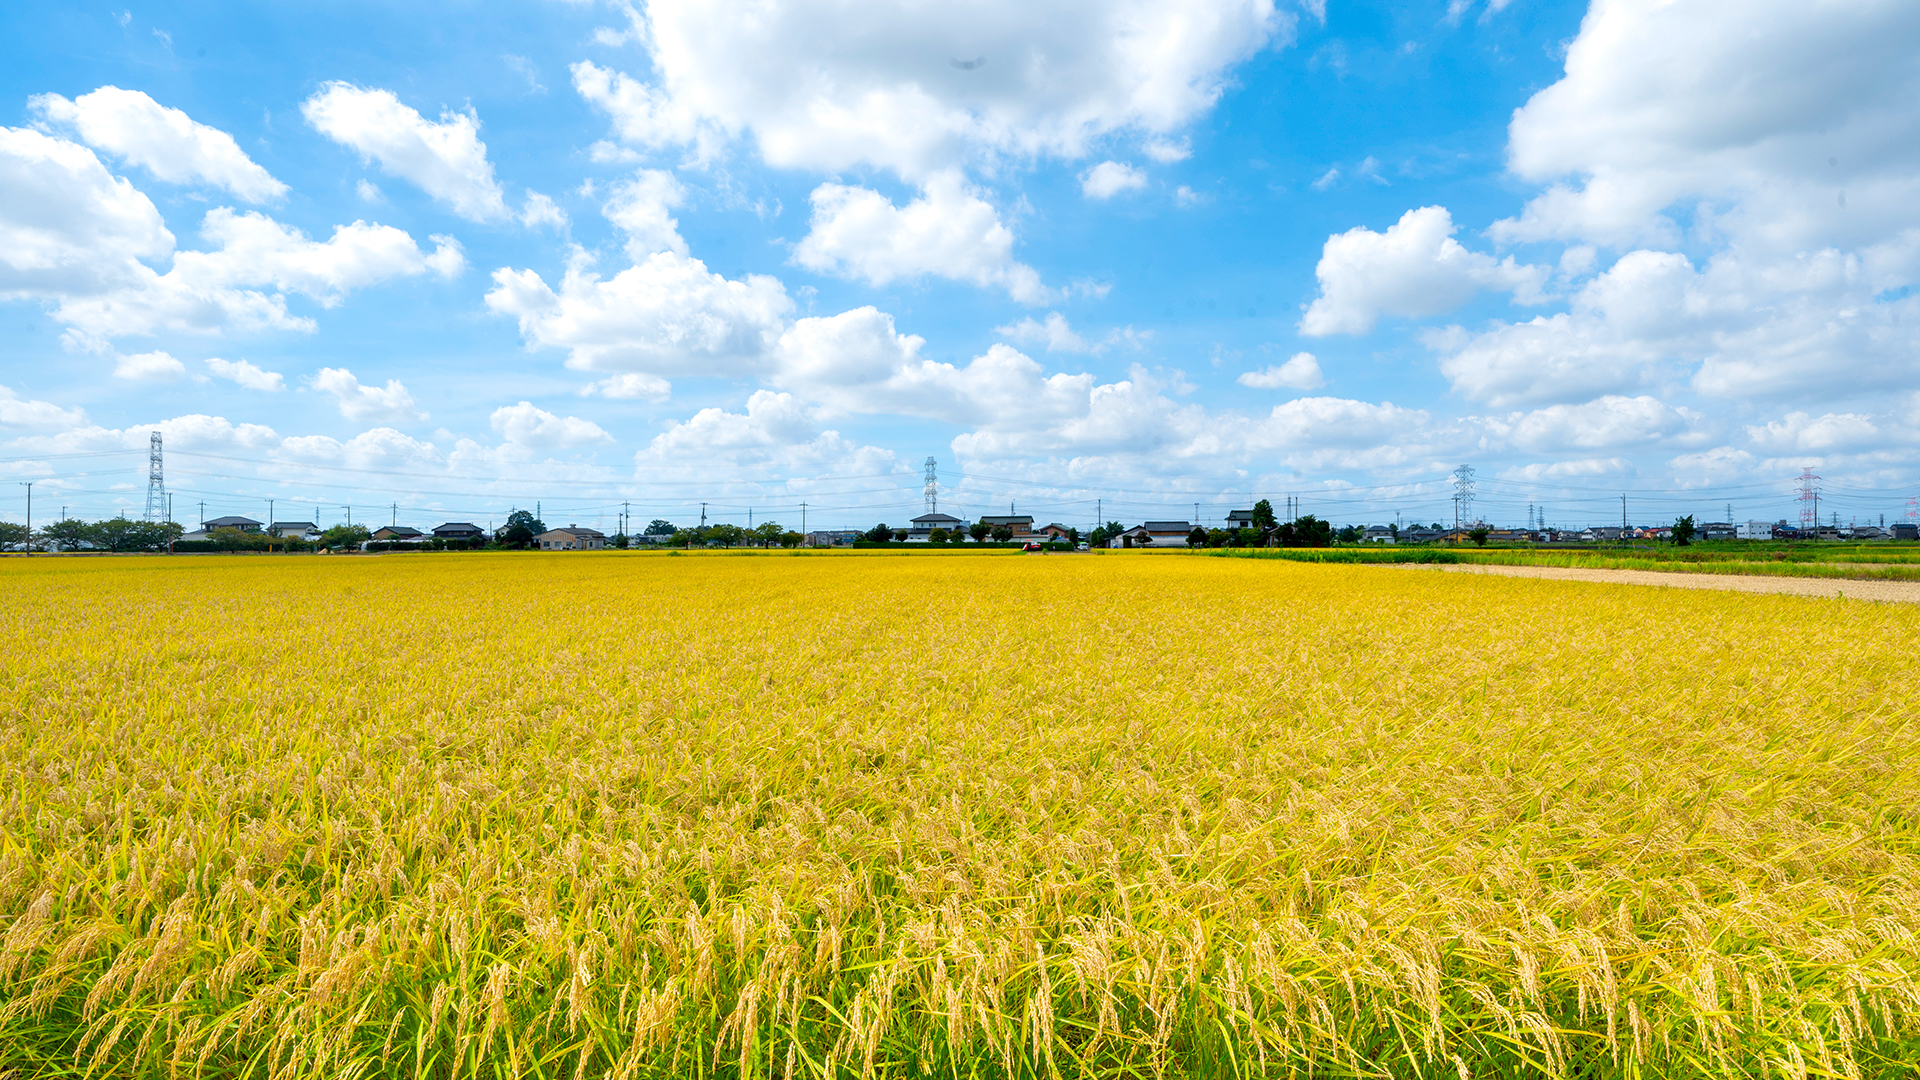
[{"x": 1756, "y": 530}]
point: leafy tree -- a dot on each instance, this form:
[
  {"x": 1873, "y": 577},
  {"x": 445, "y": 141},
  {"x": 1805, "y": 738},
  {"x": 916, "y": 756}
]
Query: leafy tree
[
  {"x": 345, "y": 537},
  {"x": 1002, "y": 533},
  {"x": 69, "y": 534},
  {"x": 979, "y": 530},
  {"x": 658, "y": 527},
  {"x": 791, "y": 539},
  {"x": 1216, "y": 538},
  {"x": 1073, "y": 534},
  {"x": 681, "y": 538},
  {"x": 937, "y": 536},
  {"x": 1197, "y": 538},
  {"x": 880, "y": 534},
  {"x": 767, "y": 533},
  {"x": 1478, "y": 536},
  {"x": 1263, "y": 518},
  {"x": 621, "y": 540},
  {"x": 520, "y": 529},
  {"x": 1351, "y": 534},
  {"x": 1306, "y": 531},
  {"x": 12, "y": 534},
  {"x": 121, "y": 534},
  {"x": 1684, "y": 531},
  {"x": 726, "y": 535}
]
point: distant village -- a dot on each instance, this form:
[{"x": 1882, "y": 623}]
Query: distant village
[{"x": 1249, "y": 527}]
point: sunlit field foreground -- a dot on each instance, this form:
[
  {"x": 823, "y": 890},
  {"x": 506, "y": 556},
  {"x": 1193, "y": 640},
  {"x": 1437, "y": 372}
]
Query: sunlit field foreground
[{"x": 845, "y": 816}]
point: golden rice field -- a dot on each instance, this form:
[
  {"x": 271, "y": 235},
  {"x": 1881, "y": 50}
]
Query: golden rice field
[{"x": 847, "y": 816}]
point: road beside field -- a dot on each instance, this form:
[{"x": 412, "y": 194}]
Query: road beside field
[{"x": 1905, "y": 592}]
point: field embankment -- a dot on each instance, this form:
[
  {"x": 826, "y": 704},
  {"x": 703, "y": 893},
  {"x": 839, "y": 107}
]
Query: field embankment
[{"x": 601, "y": 815}]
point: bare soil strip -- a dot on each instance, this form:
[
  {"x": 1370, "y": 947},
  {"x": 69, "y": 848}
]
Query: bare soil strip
[{"x": 1906, "y": 592}]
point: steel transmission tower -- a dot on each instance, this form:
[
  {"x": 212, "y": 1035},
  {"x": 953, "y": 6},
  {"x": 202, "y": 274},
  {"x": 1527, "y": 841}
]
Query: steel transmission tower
[
  {"x": 1463, "y": 493},
  {"x": 156, "y": 482},
  {"x": 933, "y": 487},
  {"x": 1809, "y": 500}
]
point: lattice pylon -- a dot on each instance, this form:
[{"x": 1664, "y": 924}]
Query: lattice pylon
[{"x": 156, "y": 481}]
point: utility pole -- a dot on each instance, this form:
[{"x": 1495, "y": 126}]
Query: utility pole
[
  {"x": 703, "y": 515},
  {"x": 269, "y": 516},
  {"x": 395, "y": 519},
  {"x": 349, "y": 511},
  {"x": 203, "y": 513},
  {"x": 28, "y": 484},
  {"x": 803, "y": 519},
  {"x": 626, "y": 518},
  {"x": 1623, "y": 519}
]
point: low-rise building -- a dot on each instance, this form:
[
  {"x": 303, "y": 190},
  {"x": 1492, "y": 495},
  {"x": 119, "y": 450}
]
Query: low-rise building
[
  {"x": 401, "y": 533},
  {"x": 1239, "y": 519},
  {"x": 571, "y": 538},
  {"x": 1021, "y": 525},
  {"x": 231, "y": 521},
  {"x": 1167, "y": 533},
  {"x": 459, "y": 530},
  {"x": 296, "y": 530},
  {"x": 1755, "y": 530},
  {"x": 832, "y": 537},
  {"x": 1138, "y": 536},
  {"x": 1056, "y": 531},
  {"x": 923, "y": 526},
  {"x": 1378, "y": 534}
]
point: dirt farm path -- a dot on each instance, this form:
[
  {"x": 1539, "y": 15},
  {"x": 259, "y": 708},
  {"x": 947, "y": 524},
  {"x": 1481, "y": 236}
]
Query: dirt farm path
[{"x": 1896, "y": 591}]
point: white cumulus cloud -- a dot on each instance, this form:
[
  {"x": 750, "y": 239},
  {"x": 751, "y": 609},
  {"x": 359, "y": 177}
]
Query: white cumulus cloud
[
  {"x": 67, "y": 225},
  {"x": 918, "y": 89},
  {"x": 25, "y": 414},
  {"x": 148, "y": 367},
  {"x": 390, "y": 404},
  {"x": 629, "y": 385},
  {"x": 666, "y": 315},
  {"x": 1768, "y": 110},
  {"x": 247, "y": 374},
  {"x": 166, "y": 142},
  {"x": 948, "y": 232},
  {"x": 1414, "y": 269},
  {"x": 641, "y": 208},
  {"x": 445, "y": 159},
  {"x": 1300, "y": 372},
  {"x": 526, "y": 424},
  {"x": 1110, "y": 178}
]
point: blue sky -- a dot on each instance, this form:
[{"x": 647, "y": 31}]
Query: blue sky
[{"x": 1122, "y": 255}]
